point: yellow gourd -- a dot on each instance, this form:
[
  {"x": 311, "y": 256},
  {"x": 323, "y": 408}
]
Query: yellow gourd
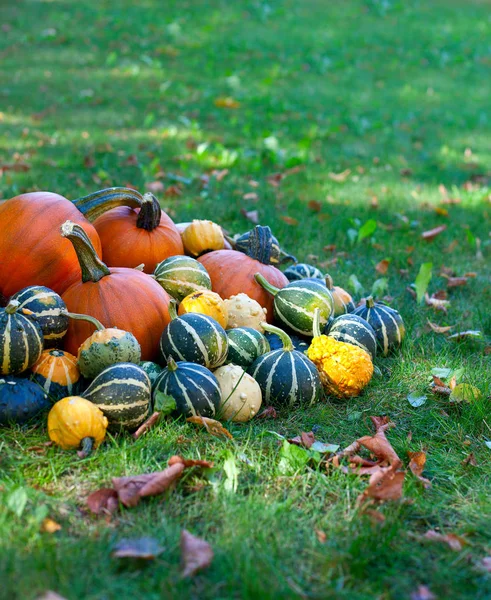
[
  {"x": 345, "y": 370},
  {"x": 202, "y": 236},
  {"x": 245, "y": 312},
  {"x": 74, "y": 422},
  {"x": 206, "y": 303}
]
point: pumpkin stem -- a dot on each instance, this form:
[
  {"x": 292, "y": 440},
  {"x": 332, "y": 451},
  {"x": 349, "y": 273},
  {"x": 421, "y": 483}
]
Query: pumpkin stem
[
  {"x": 316, "y": 329},
  {"x": 86, "y": 447},
  {"x": 329, "y": 281},
  {"x": 284, "y": 337},
  {"x": 263, "y": 282},
  {"x": 96, "y": 204},
  {"x": 370, "y": 302},
  {"x": 150, "y": 213},
  {"x": 93, "y": 269},
  {"x": 12, "y": 307},
  {"x": 77, "y": 317},
  {"x": 171, "y": 364},
  {"x": 173, "y": 309}
]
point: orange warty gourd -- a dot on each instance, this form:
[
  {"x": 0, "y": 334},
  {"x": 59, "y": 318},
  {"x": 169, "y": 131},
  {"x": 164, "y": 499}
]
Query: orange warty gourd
[
  {"x": 32, "y": 252},
  {"x": 118, "y": 297},
  {"x": 232, "y": 273}
]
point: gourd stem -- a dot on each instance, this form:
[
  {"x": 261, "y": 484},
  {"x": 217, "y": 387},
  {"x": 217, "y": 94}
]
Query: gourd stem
[
  {"x": 263, "y": 282},
  {"x": 12, "y": 307},
  {"x": 77, "y": 317},
  {"x": 287, "y": 257},
  {"x": 173, "y": 309},
  {"x": 96, "y": 204},
  {"x": 171, "y": 364},
  {"x": 329, "y": 281},
  {"x": 284, "y": 337},
  {"x": 86, "y": 447},
  {"x": 316, "y": 329},
  {"x": 370, "y": 302},
  {"x": 150, "y": 213},
  {"x": 93, "y": 269}
]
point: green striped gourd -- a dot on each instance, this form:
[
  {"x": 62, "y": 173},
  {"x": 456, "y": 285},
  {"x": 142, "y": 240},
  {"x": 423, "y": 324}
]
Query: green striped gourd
[
  {"x": 343, "y": 302},
  {"x": 153, "y": 370},
  {"x": 181, "y": 276},
  {"x": 123, "y": 393},
  {"x": 386, "y": 322},
  {"x": 194, "y": 337},
  {"x": 21, "y": 400},
  {"x": 21, "y": 339},
  {"x": 194, "y": 388},
  {"x": 48, "y": 308},
  {"x": 286, "y": 376},
  {"x": 353, "y": 329},
  {"x": 303, "y": 271},
  {"x": 294, "y": 305},
  {"x": 57, "y": 373},
  {"x": 245, "y": 345}
]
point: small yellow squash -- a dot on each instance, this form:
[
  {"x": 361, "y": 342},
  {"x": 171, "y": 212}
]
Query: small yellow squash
[
  {"x": 207, "y": 303},
  {"x": 245, "y": 312},
  {"x": 202, "y": 236},
  {"x": 241, "y": 394}
]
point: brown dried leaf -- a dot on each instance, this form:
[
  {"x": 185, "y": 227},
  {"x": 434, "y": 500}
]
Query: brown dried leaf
[
  {"x": 456, "y": 542},
  {"x": 321, "y": 536},
  {"x": 213, "y": 427},
  {"x": 423, "y": 593},
  {"x": 340, "y": 177},
  {"x": 196, "y": 554},
  {"x": 220, "y": 174},
  {"x": 103, "y": 501},
  {"x": 50, "y": 526},
  {"x": 41, "y": 448},
  {"x": 289, "y": 220},
  {"x": 470, "y": 460},
  {"x": 275, "y": 179},
  {"x": 226, "y": 102},
  {"x": 250, "y": 215},
  {"x": 456, "y": 281},
  {"x": 147, "y": 425},
  {"x": 384, "y": 484},
  {"x": 432, "y": 233},
  {"x": 437, "y": 303},
  {"x": 128, "y": 488},
  {"x": 378, "y": 444},
  {"x": 451, "y": 247},
  {"x": 173, "y": 190},
  {"x": 304, "y": 439},
  {"x": 89, "y": 161},
  {"x": 268, "y": 413},
  {"x": 438, "y": 329},
  {"x": 251, "y": 197},
  {"x": 132, "y": 160},
  {"x": 156, "y": 187},
  {"x": 162, "y": 481},
  {"x": 417, "y": 462},
  {"x": 315, "y": 205},
  {"x": 375, "y": 516},
  {"x": 382, "y": 266}
]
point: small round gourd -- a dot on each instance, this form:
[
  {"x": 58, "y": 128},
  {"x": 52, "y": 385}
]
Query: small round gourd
[
  {"x": 286, "y": 376},
  {"x": 57, "y": 373},
  {"x": 344, "y": 369},
  {"x": 21, "y": 339},
  {"x": 245, "y": 345},
  {"x": 194, "y": 388},
  {"x": 123, "y": 393},
  {"x": 294, "y": 304},
  {"x": 352, "y": 329},
  {"x": 241, "y": 394},
  {"x": 194, "y": 337},
  {"x": 74, "y": 422},
  {"x": 303, "y": 271},
  {"x": 153, "y": 370},
  {"x": 386, "y": 322},
  {"x": 105, "y": 347},
  {"x": 244, "y": 311},
  {"x": 343, "y": 302},
  {"x": 48, "y": 308},
  {"x": 202, "y": 236},
  {"x": 21, "y": 400},
  {"x": 181, "y": 276},
  {"x": 206, "y": 303}
]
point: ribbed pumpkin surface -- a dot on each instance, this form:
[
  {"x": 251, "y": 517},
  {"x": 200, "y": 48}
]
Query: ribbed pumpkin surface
[
  {"x": 57, "y": 373},
  {"x": 181, "y": 276},
  {"x": 354, "y": 330},
  {"x": 245, "y": 345},
  {"x": 386, "y": 322}
]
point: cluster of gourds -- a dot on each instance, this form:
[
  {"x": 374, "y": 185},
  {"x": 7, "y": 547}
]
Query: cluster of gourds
[{"x": 179, "y": 311}]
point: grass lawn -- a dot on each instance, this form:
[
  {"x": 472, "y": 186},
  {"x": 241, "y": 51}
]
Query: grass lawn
[{"x": 394, "y": 96}]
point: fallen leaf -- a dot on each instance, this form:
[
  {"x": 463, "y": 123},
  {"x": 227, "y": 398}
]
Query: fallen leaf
[
  {"x": 156, "y": 187},
  {"x": 196, "y": 554},
  {"x": 455, "y": 542},
  {"x": 250, "y": 215},
  {"x": 432, "y": 233},
  {"x": 423, "y": 593},
  {"x": 321, "y": 536},
  {"x": 132, "y": 160},
  {"x": 50, "y": 526},
  {"x": 268, "y": 413},
  {"x": 378, "y": 444},
  {"x": 340, "y": 177},
  {"x": 470, "y": 459},
  {"x": 415, "y": 400},
  {"x": 226, "y": 102},
  {"x": 289, "y": 220},
  {"x": 486, "y": 564},
  {"x": 16, "y": 167},
  {"x": 213, "y": 427},
  {"x": 147, "y": 425},
  {"x": 144, "y": 548},
  {"x": 219, "y": 175},
  {"x": 375, "y": 516},
  {"x": 304, "y": 439},
  {"x": 103, "y": 501},
  {"x": 382, "y": 266},
  {"x": 417, "y": 461},
  {"x": 131, "y": 489},
  {"x": 451, "y": 247},
  {"x": 436, "y": 303},
  {"x": 50, "y": 595},
  {"x": 443, "y": 212},
  {"x": 173, "y": 190},
  {"x": 314, "y": 205},
  {"x": 470, "y": 333},
  {"x": 251, "y": 196},
  {"x": 189, "y": 462},
  {"x": 438, "y": 329},
  {"x": 41, "y": 448},
  {"x": 89, "y": 161},
  {"x": 384, "y": 484}
]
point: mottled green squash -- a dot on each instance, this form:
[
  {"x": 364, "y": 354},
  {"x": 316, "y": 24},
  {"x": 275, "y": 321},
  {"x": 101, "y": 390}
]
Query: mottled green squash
[{"x": 21, "y": 339}]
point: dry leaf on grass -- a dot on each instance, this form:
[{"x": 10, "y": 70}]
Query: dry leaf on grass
[
  {"x": 156, "y": 187},
  {"x": 147, "y": 425},
  {"x": 382, "y": 266},
  {"x": 438, "y": 329},
  {"x": 213, "y": 427},
  {"x": 470, "y": 460},
  {"x": 189, "y": 462},
  {"x": 220, "y": 174},
  {"x": 251, "y": 197},
  {"x": 321, "y": 535},
  {"x": 417, "y": 462},
  {"x": 268, "y": 413},
  {"x": 50, "y": 526},
  {"x": 455, "y": 542},
  {"x": 304, "y": 439},
  {"x": 196, "y": 554},
  {"x": 340, "y": 177},
  {"x": 432, "y": 233},
  {"x": 50, "y": 595},
  {"x": 378, "y": 444},
  {"x": 250, "y": 215},
  {"x": 384, "y": 484},
  {"x": 103, "y": 501},
  {"x": 437, "y": 303},
  {"x": 289, "y": 220},
  {"x": 456, "y": 281},
  {"x": 314, "y": 205},
  {"x": 226, "y": 102},
  {"x": 423, "y": 593}
]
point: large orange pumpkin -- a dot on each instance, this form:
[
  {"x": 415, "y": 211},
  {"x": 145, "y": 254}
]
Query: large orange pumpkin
[
  {"x": 132, "y": 236},
  {"x": 118, "y": 297},
  {"x": 32, "y": 252},
  {"x": 232, "y": 272}
]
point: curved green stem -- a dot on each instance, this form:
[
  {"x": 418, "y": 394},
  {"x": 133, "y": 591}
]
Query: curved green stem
[
  {"x": 12, "y": 307},
  {"x": 150, "y": 213},
  {"x": 77, "y": 317},
  {"x": 173, "y": 309},
  {"x": 171, "y": 364},
  {"x": 93, "y": 269},
  {"x": 86, "y": 447},
  {"x": 316, "y": 329},
  {"x": 263, "y": 282},
  {"x": 284, "y": 337},
  {"x": 370, "y": 302},
  {"x": 96, "y": 204}
]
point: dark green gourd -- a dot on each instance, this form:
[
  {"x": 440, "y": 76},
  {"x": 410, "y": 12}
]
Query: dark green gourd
[
  {"x": 245, "y": 345},
  {"x": 386, "y": 322},
  {"x": 21, "y": 339},
  {"x": 303, "y": 271},
  {"x": 21, "y": 400},
  {"x": 354, "y": 330}
]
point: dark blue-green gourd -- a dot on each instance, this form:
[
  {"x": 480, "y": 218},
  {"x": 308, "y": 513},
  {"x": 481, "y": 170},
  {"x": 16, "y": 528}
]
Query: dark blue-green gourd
[
  {"x": 303, "y": 271},
  {"x": 48, "y": 308},
  {"x": 245, "y": 345},
  {"x": 21, "y": 400},
  {"x": 123, "y": 393},
  {"x": 286, "y": 376},
  {"x": 193, "y": 337},
  {"x": 275, "y": 342},
  {"x": 182, "y": 275},
  {"x": 21, "y": 339},
  {"x": 386, "y": 322},
  {"x": 194, "y": 388},
  {"x": 153, "y": 370},
  {"x": 354, "y": 330}
]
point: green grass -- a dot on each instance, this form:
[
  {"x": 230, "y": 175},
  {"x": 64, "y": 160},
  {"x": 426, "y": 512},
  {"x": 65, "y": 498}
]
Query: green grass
[{"x": 397, "y": 92}]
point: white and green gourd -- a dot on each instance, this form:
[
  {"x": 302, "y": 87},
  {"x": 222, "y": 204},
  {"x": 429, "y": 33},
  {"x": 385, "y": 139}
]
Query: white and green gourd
[{"x": 181, "y": 276}]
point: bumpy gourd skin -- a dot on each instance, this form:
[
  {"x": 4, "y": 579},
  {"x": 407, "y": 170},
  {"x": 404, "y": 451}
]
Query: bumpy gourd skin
[
  {"x": 207, "y": 303},
  {"x": 105, "y": 348},
  {"x": 344, "y": 369}
]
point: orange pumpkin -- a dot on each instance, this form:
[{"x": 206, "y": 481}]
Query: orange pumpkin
[
  {"x": 232, "y": 273},
  {"x": 117, "y": 297},
  {"x": 32, "y": 252}
]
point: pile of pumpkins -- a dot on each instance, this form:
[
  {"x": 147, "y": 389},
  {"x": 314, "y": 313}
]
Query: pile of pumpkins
[{"x": 108, "y": 307}]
